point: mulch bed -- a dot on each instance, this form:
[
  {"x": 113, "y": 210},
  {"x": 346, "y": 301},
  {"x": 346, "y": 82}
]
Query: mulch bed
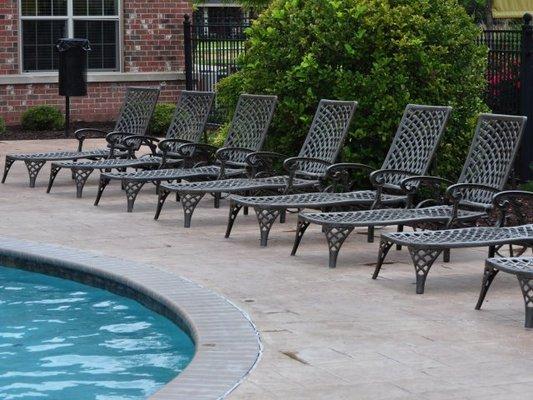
[{"x": 17, "y": 133}]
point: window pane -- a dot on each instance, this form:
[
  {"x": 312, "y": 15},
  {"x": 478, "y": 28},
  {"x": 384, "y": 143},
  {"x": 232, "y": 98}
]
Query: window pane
[
  {"x": 29, "y": 7},
  {"x": 95, "y": 7},
  {"x": 38, "y": 42},
  {"x": 103, "y": 36},
  {"x": 60, "y": 7},
  {"x": 80, "y": 7},
  {"x": 44, "y": 7},
  {"x": 110, "y": 7}
]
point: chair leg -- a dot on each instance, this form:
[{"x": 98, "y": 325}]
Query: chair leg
[
  {"x": 245, "y": 210},
  {"x": 161, "y": 197},
  {"x": 234, "y": 209},
  {"x": 132, "y": 189},
  {"x": 7, "y": 167},
  {"x": 423, "y": 259},
  {"x": 81, "y": 176},
  {"x": 370, "y": 234},
  {"x": 101, "y": 187},
  {"x": 216, "y": 200},
  {"x": 384, "y": 247},
  {"x": 34, "y": 166},
  {"x": 527, "y": 292},
  {"x": 300, "y": 230},
  {"x": 282, "y": 216},
  {"x": 266, "y": 219},
  {"x": 400, "y": 229},
  {"x": 189, "y": 202},
  {"x": 488, "y": 276},
  {"x": 335, "y": 237},
  {"x": 54, "y": 170},
  {"x": 446, "y": 256}
]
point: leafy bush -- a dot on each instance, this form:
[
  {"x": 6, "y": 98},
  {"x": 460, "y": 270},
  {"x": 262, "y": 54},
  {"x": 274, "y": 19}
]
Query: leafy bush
[
  {"x": 42, "y": 118},
  {"x": 2, "y": 126},
  {"x": 161, "y": 119},
  {"x": 382, "y": 53}
]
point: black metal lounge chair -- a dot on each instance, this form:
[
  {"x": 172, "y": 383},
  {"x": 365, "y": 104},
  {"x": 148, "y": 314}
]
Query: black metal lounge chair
[
  {"x": 133, "y": 119},
  {"x": 425, "y": 246},
  {"x": 522, "y": 267},
  {"x": 411, "y": 152},
  {"x": 485, "y": 172},
  {"x": 320, "y": 149},
  {"x": 247, "y": 133},
  {"x": 187, "y": 126}
]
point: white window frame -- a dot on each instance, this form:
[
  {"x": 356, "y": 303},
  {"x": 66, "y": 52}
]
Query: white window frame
[{"x": 70, "y": 18}]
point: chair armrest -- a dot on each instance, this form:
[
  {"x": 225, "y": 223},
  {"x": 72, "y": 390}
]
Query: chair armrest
[
  {"x": 411, "y": 184},
  {"x": 378, "y": 180},
  {"x": 510, "y": 199},
  {"x": 339, "y": 174},
  {"x": 164, "y": 145},
  {"x": 455, "y": 192},
  {"x": 134, "y": 143},
  {"x": 224, "y": 154},
  {"x": 115, "y": 139},
  {"x": 262, "y": 162},
  {"x": 291, "y": 164},
  {"x": 188, "y": 150},
  {"x": 81, "y": 135}
]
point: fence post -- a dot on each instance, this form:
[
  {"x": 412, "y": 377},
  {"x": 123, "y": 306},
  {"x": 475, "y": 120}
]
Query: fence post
[
  {"x": 187, "y": 48},
  {"x": 526, "y": 99}
]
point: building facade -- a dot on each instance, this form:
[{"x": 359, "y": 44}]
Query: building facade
[{"x": 134, "y": 43}]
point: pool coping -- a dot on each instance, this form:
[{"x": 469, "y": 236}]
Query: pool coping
[{"x": 228, "y": 345}]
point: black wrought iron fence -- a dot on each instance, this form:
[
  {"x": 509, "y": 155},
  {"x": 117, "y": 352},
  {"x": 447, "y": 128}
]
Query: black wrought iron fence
[
  {"x": 211, "y": 52},
  {"x": 503, "y": 70}
]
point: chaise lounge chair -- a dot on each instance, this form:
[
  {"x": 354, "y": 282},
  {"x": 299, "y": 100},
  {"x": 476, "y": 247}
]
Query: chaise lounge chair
[
  {"x": 522, "y": 268},
  {"x": 187, "y": 126},
  {"x": 411, "y": 153},
  {"x": 135, "y": 114},
  {"x": 485, "y": 172},
  {"x": 425, "y": 246},
  {"x": 320, "y": 149},
  {"x": 247, "y": 133}
]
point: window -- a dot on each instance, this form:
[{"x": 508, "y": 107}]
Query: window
[{"x": 43, "y": 22}]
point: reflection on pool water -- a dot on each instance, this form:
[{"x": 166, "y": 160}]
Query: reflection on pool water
[{"x": 63, "y": 340}]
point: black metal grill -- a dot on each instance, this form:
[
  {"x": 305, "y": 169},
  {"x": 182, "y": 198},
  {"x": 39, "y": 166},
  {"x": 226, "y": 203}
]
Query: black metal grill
[
  {"x": 503, "y": 70},
  {"x": 214, "y": 47}
]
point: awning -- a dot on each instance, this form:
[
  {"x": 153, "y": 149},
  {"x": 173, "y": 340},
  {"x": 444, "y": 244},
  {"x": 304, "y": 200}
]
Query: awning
[{"x": 511, "y": 8}]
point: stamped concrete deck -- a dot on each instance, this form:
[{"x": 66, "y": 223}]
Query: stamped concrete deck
[{"x": 327, "y": 334}]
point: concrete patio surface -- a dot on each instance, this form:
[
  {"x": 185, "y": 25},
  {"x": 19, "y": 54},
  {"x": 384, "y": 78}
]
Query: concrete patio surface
[{"x": 327, "y": 334}]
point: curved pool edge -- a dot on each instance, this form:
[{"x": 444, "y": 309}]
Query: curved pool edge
[{"x": 227, "y": 343}]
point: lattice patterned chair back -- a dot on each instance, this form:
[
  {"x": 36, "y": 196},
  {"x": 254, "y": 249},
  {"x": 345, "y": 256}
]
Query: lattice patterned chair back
[
  {"x": 190, "y": 117},
  {"x": 491, "y": 156},
  {"x": 137, "y": 109},
  {"x": 326, "y": 134},
  {"x": 415, "y": 142},
  {"x": 249, "y": 125}
]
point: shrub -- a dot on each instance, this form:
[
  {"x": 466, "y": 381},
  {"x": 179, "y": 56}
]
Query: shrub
[
  {"x": 161, "y": 119},
  {"x": 2, "y": 126},
  {"x": 382, "y": 53},
  {"x": 42, "y": 118}
]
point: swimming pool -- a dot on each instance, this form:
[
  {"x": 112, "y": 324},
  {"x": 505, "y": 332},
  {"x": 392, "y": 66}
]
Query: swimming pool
[{"x": 63, "y": 340}]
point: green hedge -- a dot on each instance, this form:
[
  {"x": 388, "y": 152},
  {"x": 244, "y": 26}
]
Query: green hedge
[
  {"x": 42, "y": 118},
  {"x": 161, "y": 119},
  {"x": 2, "y": 125},
  {"x": 382, "y": 53}
]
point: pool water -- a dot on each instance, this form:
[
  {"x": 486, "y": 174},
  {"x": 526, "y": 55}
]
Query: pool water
[{"x": 63, "y": 340}]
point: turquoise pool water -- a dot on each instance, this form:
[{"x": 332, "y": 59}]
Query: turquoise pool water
[{"x": 62, "y": 340}]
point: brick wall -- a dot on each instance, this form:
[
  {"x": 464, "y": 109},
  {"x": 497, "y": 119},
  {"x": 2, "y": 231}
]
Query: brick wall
[
  {"x": 153, "y": 34},
  {"x": 8, "y": 37},
  {"x": 152, "y": 42},
  {"x": 102, "y": 102}
]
